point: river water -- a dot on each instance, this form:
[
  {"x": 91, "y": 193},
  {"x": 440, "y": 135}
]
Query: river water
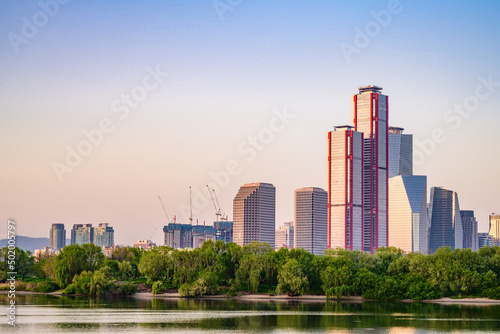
[{"x": 63, "y": 314}]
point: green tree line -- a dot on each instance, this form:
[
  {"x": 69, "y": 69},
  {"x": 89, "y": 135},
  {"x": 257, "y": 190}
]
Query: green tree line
[{"x": 219, "y": 268}]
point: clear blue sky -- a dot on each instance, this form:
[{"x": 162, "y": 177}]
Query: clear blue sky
[{"x": 227, "y": 72}]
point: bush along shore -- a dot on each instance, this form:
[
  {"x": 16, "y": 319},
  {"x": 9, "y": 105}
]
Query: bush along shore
[{"x": 218, "y": 268}]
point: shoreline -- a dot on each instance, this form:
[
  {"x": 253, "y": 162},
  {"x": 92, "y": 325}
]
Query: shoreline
[
  {"x": 319, "y": 299},
  {"x": 286, "y": 298}
]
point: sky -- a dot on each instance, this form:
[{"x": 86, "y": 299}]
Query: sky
[{"x": 106, "y": 105}]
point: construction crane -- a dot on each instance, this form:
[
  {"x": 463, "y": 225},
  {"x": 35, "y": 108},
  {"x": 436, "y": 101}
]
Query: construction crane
[
  {"x": 151, "y": 237},
  {"x": 190, "y": 207},
  {"x": 165, "y": 210},
  {"x": 217, "y": 209}
]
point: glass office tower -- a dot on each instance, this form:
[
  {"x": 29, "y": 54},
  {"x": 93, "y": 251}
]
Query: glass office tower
[
  {"x": 57, "y": 237},
  {"x": 408, "y": 213},
  {"x": 469, "y": 224},
  {"x": 400, "y": 152},
  {"x": 445, "y": 221}
]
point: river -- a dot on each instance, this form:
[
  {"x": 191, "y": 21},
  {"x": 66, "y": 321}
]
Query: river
[{"x": 64, "y": 314}]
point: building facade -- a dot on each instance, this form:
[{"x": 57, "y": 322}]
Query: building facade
[
  {"x": 144, "y": 244},
  {"x": 311, "y": 220},
  {"x": 84, "y": 234},
  {"x": 400, "y": 152},
  {"x": 408, "y": 213},
  {"x": 104, "y": 235},
  {"x": 444, "y": 218},
  {"x": 469, "y": 224},
  {"x": 369, "y": 115},
  {"x": 345, "y": 188},
  {"x": 495, "y": 229},
  {"x": 178, "y": 235},
  {"x": 484, "y": 239},
  {"x": 254, "y": 211},
  {"x": 57, "y": 236},
  {"x": 284, "y": 236},
  {"x": 225, "y": 230}
]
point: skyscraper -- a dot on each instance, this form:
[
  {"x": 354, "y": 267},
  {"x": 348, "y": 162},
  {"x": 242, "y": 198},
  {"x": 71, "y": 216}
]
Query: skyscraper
[
  {"x": 469, "y": 224},
  {"x": 369, "y": 111},
  {"x": 311, "y": 220},
  {"x": 84, "y": 234},
  {"x": 495, "y": 229},
  {"x": 254, "y": 214},
  {"x": 445, "y": 222},
  {"x": 284, "y": 236},
  {"x": 104, "y": 235},
  {"x": 408, "y": 213},
  {"x": 178, "y": 235},
  {"x": 345, "y": 188},
  {"x": 400, "y": 152},
  {"x": 73, "y": 232},
  {"x": 57, "y": 237}
]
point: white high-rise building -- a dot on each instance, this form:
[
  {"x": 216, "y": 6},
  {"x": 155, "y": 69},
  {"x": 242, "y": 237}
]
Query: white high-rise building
[
  {"x": 369, "y": 111},
  {"x": 408, "y": 213},
  {"x": 254, "y": 214},
  {"x": 345, "y": 188},
  {"x": 284, "y": 236},
  {"x": 311, "y": 220}
]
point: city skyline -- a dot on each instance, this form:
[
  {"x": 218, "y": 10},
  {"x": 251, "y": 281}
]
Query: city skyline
[{"x": 280, "y": 73}]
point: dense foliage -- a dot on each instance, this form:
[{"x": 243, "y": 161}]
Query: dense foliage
[{"x": 216, "y": 268}]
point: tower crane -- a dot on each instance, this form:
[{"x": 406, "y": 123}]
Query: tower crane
[
  {"x": 165, "y": 210},
  {"x": 217, "y": 209},
  {"x": 151, "y": 237}
]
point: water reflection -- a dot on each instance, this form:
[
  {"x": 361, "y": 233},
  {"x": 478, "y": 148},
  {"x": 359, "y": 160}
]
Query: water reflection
[{"x": 49, "y": 313}]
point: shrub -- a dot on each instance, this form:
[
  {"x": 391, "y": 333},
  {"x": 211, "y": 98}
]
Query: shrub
[
  {"x": 46, "y": 286},
  {"x": 206, "y": 284},
  {"x": 157, "y": 288},
  {"x": 122, "y": 288}
]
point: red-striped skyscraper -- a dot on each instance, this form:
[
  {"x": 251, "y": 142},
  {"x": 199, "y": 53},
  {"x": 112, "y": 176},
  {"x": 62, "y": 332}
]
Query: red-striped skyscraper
[
  {"x": 369, "y": 115},
  {"x": 345, "y": 188}
]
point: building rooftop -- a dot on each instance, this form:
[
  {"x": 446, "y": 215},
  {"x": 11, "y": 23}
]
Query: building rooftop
[
  {"x": 370, "y": 88},
  {"x": 393, "y": 130},
  {"x": 348, "y": 127}
]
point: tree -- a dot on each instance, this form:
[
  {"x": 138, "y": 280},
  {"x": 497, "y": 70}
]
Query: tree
[
  {"x": 74, "y": 259},
  {"x": 157, "y": 264},
  {"x": 256, "y": 266},
  {"x": 337, "y": 278},
  {"x": 291, "y": 279}
]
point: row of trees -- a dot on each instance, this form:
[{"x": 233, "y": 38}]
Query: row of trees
[{"x": 215, "y": 268}]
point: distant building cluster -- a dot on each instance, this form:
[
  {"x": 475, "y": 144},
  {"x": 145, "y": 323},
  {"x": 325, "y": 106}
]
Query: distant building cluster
[
  {"x": 372, "y": 200},
  {"x": 102, "y": 235},
  {"x": 192, "y": 236}
]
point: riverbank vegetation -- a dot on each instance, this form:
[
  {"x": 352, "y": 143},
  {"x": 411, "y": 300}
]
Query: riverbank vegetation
[{"x": 218, "y": 268}]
